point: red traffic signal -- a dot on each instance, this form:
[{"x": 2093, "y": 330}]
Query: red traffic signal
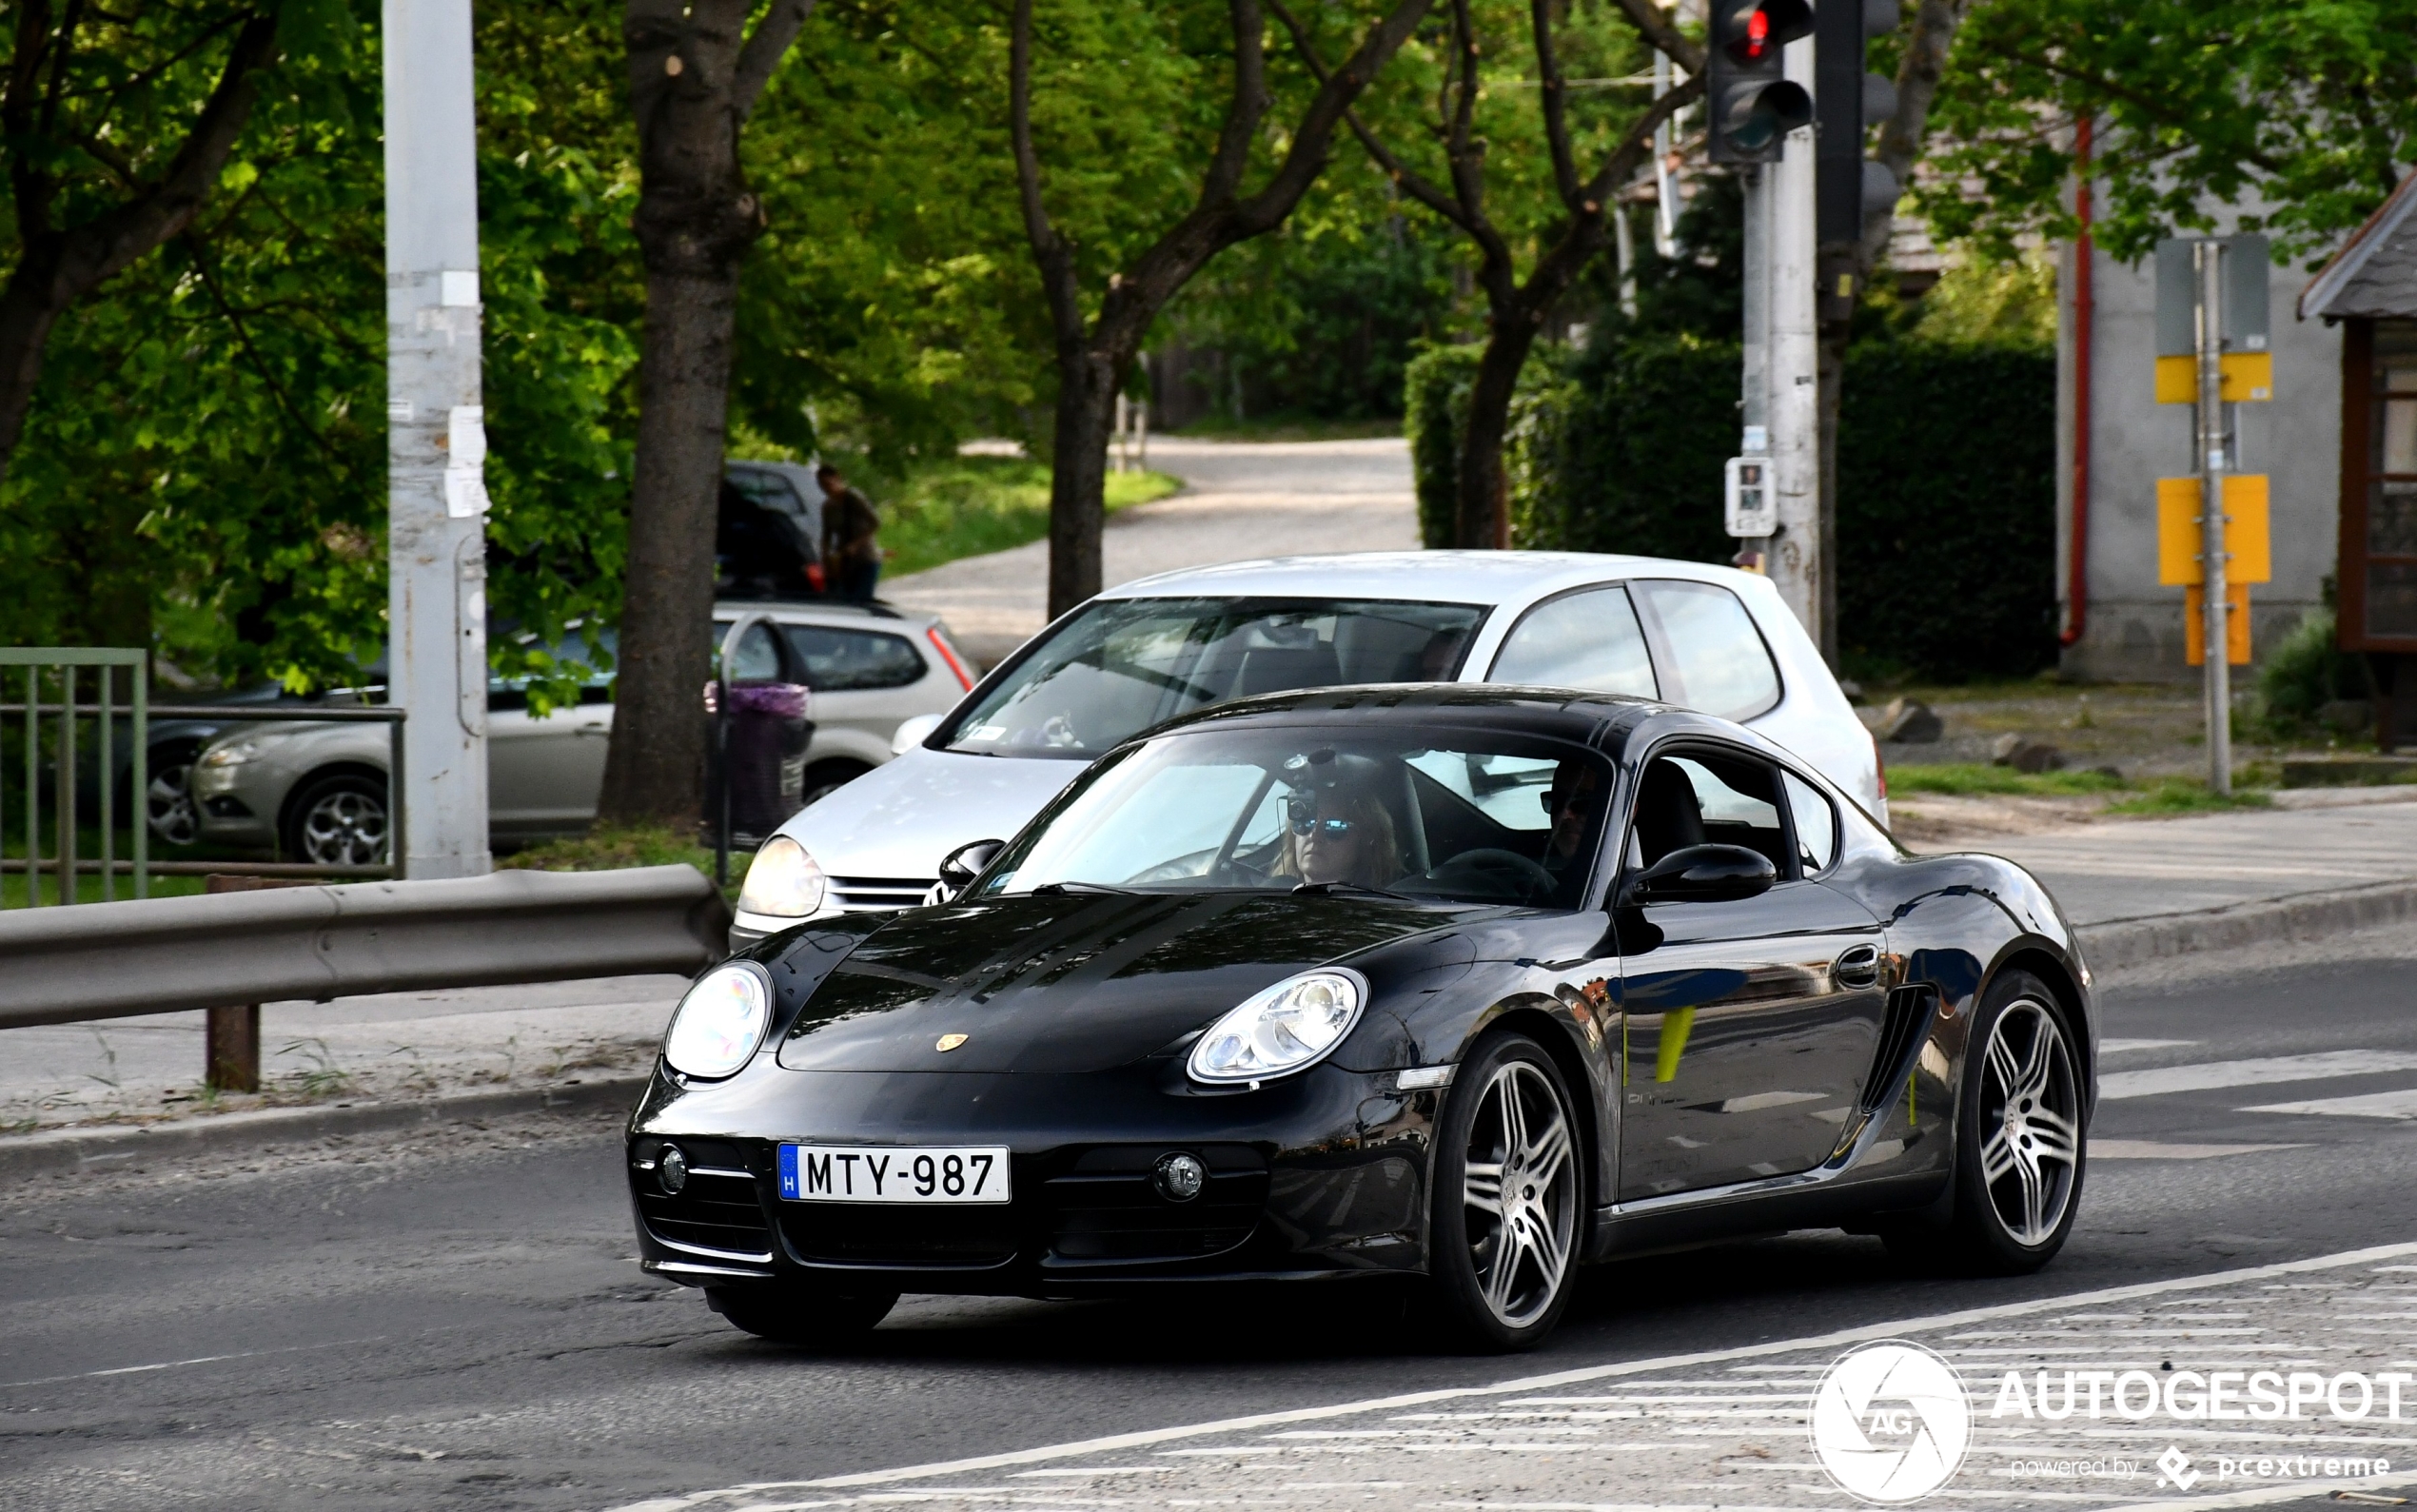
[{"x": 1753, "y": 31}]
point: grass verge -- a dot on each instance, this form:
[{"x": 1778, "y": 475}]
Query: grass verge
[
  {"x": 613, "y": 848},
  {"x": 1973, "y": 780},
  {"x": 2188, "y": 796},
  {"x": 968, "y": 507}
]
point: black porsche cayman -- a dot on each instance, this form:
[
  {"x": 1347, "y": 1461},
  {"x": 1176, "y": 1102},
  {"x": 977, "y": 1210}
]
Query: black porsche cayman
[{"x": 1462, "y": 985}]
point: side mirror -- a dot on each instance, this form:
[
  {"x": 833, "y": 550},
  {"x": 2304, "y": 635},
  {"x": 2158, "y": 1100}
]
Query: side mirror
[
  {"x": 961, "y": 866},
  {"x": 1702, "y": 874},
  {"x": 913, "y": 733}
]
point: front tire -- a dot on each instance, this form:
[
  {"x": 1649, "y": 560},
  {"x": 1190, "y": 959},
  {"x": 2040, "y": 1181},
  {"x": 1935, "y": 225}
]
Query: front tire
[
  {"x": 339, "y": 819},
  {"x": 2019, "y": 1140},
  {"x": 1510, "y": 1197},
  {"x": 816, "y": 1321}
]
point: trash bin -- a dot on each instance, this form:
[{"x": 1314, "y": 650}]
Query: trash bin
[{"x": 763, "y": 756}]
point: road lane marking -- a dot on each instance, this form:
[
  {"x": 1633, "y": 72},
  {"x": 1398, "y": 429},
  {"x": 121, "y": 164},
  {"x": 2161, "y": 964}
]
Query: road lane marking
[
  {"x": 2373, "y": 1105},
  {"x": 1838, "y": 1339},
  {"x": 175, "y": 1365},
  {"x": 2201, "y": 1076},
  {"x": 2150, "y": 1150},
  {"x": 2116, "y": 1047}
]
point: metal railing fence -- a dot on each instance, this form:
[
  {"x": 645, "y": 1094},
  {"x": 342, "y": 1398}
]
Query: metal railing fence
[{"x": 63, "y": 691}]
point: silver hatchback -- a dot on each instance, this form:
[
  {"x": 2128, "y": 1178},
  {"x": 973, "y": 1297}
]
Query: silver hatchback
[{"x": 317, "y": 792}]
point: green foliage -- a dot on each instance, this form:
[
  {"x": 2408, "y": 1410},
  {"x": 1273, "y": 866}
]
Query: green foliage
[
  {"x": 2299, "y": 111},
  {"x": 1434, "y": 408},
  {"x": 968, "y": 505},
  {"x": 2185, "y": 796},
  {"x": 1973, "y": 780},
  {"x": 1949, "y": 564},
  {"x": 2303, "y": 673}
]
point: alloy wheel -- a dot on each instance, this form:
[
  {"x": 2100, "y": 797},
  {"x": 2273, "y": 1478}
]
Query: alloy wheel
[
  {"x": 1520, "y": 1188},
  {"x": 170, "y": 802},
  {"x": 345, "y": 829},
  {"x": 2029, "y": 1121}
]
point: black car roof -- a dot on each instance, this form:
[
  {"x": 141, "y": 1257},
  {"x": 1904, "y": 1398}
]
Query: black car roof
[{"x": 1567, "y": 714}]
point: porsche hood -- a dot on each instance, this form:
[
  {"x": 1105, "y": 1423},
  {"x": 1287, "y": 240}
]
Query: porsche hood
[{"x": 1071, "y": 983}]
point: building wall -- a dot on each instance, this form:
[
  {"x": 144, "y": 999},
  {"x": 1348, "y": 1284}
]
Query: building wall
[{"x": 2134, "y": 627}]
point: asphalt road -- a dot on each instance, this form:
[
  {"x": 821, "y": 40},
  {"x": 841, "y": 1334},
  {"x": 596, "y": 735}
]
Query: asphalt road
[{"x": 452, "y": 1319}]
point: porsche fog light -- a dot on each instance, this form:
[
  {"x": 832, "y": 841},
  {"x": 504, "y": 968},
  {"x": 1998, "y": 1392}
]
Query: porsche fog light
[
  {"x": 782, "y": 881},
  {"x": 719, "y": 1023},
  {"x": 1283, "y": 1029},
  {"x": 671, "y": 1170},
  {"x": 1179, "y": 1177}
]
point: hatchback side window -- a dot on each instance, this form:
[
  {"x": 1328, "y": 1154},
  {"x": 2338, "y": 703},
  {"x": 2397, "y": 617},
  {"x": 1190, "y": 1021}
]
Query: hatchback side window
[
  {"x": 1816, "y": 824},
  {"x": 757, "y": 657},
  {"x": 1589, "y": 639},
  {"x": 1720, "y": 663},
  {"x": 845, "y": 660}
]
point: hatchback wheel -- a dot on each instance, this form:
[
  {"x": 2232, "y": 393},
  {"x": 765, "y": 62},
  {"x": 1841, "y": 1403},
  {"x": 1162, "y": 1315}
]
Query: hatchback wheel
[
  {"x": 338, "y": 820},
  {"x": 1509, "y": 1197},
  {"x": 2019, "y": 1144},
  {"x": 169, "y": 802}
]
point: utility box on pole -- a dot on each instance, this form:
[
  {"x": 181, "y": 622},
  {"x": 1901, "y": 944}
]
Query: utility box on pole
[{"x": 436, "y": 445}]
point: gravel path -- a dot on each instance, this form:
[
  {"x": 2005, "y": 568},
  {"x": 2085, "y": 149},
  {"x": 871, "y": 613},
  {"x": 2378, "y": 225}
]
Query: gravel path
[{"x": 1241, "y": 500}]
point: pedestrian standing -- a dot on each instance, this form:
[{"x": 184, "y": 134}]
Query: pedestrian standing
[{"x": 851, "y": 537}]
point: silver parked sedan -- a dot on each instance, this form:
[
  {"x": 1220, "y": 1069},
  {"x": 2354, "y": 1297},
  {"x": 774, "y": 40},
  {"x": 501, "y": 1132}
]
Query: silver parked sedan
[{"x": 318, "y": 792}]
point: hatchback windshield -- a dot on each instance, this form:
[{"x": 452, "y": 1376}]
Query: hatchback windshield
[
  {"x": 1422, "y": 814},
  {"x": 1124, "y": 664}
]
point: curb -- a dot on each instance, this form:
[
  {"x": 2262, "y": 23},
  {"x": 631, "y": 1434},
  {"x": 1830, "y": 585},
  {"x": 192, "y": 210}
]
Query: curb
[
  {"x": 71, "y": 1150},
  {"x": 2118, "y": 943}
]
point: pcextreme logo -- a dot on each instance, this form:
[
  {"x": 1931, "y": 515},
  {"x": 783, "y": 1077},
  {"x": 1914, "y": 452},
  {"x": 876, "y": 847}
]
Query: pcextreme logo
[{"x": 1891, "y": 1422}]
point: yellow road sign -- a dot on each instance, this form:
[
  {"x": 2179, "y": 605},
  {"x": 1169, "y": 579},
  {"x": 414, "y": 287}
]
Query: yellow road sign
[
  {"x": 2246, "y": 378},
  {"x": 2248, "y": 535},
  {"x": 2236, "y": 624}
]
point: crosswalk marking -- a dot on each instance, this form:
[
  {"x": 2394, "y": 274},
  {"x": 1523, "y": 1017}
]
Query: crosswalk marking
[
  {"x": 2372, "y": 1104},
  {"x": 2207, "y": 1075}
]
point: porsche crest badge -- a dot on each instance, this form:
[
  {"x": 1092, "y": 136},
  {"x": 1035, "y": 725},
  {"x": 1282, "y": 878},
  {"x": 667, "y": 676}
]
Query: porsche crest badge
[{"x": 950, "y": 1042}]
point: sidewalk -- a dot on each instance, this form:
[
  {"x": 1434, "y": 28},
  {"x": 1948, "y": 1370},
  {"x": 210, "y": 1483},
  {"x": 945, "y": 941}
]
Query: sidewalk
[{"x": 1241, "y": 500}]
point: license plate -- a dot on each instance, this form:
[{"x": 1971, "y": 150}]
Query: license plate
[{"x": 858, "y": 1173}]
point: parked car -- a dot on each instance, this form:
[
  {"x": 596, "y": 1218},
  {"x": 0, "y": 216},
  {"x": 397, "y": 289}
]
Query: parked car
[
  {"x": 1707, "y": 638},
  {"x": 318, "y": 792},
  {"x": 1455, "y": 986}
]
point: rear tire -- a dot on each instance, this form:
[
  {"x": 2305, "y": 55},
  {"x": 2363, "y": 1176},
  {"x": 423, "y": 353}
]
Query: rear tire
[
  {"x": 809, "y": 1320},
  {"x": 1509, "y": 1205},
  {"x": 2020, "y": 1139}
]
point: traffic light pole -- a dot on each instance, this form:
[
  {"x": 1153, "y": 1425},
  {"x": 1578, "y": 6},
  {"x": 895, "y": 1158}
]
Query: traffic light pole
[
  {"x": 2215, "y": 638},
  {"x": 1792, "y": 375},
  {"x": 436, "y": 440}
]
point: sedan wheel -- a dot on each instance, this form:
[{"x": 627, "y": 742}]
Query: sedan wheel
[
  {"x": 339, "y": 820},
  {"x": 1509, "y": 1196},
  {"x": 169, "y": 802}
]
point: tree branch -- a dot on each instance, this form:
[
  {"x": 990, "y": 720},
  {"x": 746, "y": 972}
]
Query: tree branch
[
  {"x": 1048, "y": 248},
  {"x": 1243, "y": 115},
  {"x": 1656, "y": 29},
  {"x": 1555, "y": 99},
  {"x": 768, "y": 43},
  {"x": 1407, "y": 179}
]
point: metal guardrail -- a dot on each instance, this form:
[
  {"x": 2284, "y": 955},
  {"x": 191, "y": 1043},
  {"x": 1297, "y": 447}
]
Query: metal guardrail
[{"x": 158, "y": 955}]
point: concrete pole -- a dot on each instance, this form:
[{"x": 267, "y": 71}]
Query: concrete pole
[
  {"x": 1794, "y": 370},
  {"x": 436, "y": 447},
  {"x": 2209, "y": 256},
  {"x": 1754, "y": 407}
]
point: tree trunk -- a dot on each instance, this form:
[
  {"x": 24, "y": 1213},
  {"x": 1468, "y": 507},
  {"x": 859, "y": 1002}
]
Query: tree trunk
[
  {"x": 1482, "y": 489},
  {"x": 1087, "y": 386},
  {"x": 654, "y": 767}
]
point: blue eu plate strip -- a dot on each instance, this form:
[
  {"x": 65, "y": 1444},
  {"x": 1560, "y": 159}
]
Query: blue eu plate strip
[{"x": 789, "y": 1172}]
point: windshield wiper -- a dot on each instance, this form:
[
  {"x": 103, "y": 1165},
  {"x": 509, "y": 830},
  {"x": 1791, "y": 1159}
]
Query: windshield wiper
[
  {"x": 1336, "y": 889},
  {"x": 1062, "y": 889}
]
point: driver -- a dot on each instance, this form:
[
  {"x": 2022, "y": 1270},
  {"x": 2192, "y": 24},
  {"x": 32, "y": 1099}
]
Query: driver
[
  {"x": 1570, "y": 800},
  {"x": 1339, "y": 834}
]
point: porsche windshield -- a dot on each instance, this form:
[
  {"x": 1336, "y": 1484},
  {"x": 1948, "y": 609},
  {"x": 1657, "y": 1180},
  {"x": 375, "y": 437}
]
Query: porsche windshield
[
  {"x": 1473, "y": 818},
  {"x": 1124, "y": 664}
]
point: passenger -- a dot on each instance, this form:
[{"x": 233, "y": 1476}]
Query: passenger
[{"x": 1341, "y": 833}]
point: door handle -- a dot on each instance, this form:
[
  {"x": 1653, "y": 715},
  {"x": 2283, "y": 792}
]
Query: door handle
[{"x": 1858, "y": 966}]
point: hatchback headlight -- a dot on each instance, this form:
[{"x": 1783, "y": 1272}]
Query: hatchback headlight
[
  {"x": 720, "y": 1022},
  {"x": 231, "y": 755},
  {"x": 783, "y": 881},
  {"x": 1290, "y": 1025}
]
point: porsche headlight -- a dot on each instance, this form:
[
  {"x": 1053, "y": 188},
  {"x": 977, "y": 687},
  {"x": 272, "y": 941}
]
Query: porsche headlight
[
  {"x": 1283, "y": 1029},
  {"x": 719, "y": 1023},
  {"x": 782, "y": 881},
  {"x": 231, "y": 755}
]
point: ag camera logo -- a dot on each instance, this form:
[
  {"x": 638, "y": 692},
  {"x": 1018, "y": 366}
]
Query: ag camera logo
[{"x": 1891, "y": 1422}]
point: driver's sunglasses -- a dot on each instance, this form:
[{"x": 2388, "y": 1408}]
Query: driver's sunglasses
[{"x": 1306, "y": 823}]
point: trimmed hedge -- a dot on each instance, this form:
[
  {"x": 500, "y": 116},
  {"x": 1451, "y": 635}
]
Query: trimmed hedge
[{"x": 1947, "y": 529}]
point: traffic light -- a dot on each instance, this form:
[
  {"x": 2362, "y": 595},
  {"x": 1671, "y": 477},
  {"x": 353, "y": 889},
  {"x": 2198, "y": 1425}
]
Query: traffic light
[
  {"x": 1752, "y": 103},
  {"x": 1850, "y": 187}
]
